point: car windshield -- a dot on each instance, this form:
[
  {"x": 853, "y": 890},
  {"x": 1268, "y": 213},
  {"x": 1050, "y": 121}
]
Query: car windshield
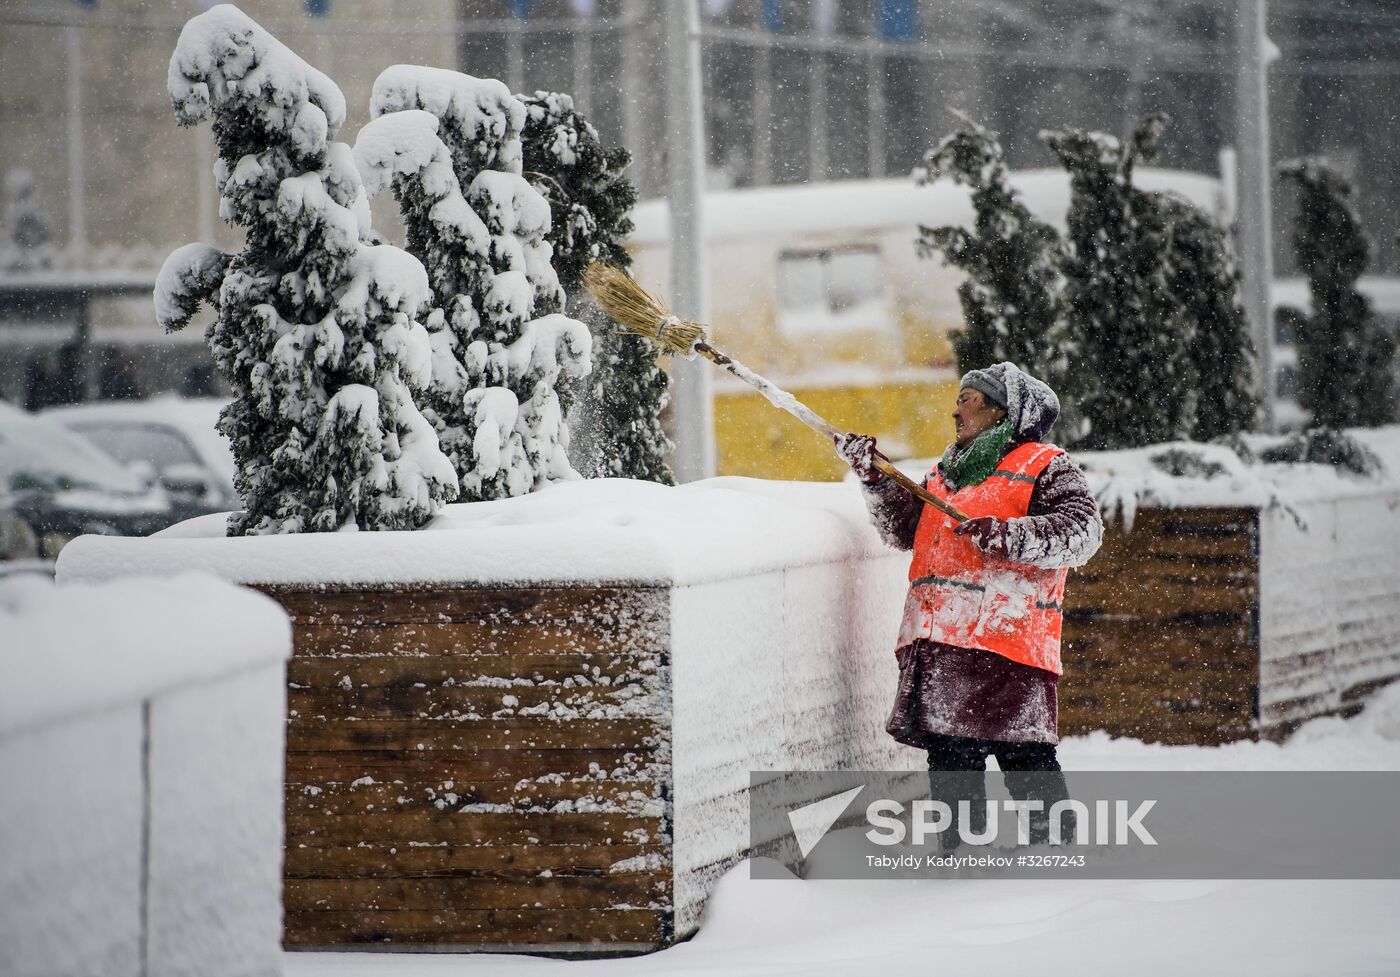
[
  {"x": 128, "y": 443},
  {"x": 37, "y": 453}
]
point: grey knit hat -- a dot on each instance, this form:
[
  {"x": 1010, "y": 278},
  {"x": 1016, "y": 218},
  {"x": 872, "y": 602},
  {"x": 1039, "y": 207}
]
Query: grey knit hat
[
  {"x": 992, "y": 387},
  {"x": 1030, "y": 405}
]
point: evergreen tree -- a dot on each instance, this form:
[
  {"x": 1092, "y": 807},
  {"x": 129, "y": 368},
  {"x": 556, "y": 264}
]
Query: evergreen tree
[
  {"x": 1346, "y": 356},
  {"x": 449, "y": 145},
  {"x": 617, "y": 425},
  {"x": 1013, "y": 295},
  {"x": 1133, "y": 379},
  {"x": 316, "y": 330},
  {"x": 1205, "y": 280}
]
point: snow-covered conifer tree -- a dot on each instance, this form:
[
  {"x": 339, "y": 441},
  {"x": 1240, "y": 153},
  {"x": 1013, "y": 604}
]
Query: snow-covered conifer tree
[
  {"x": 1133, "y": 378},
  {"x": 316, "y": 330},
  {"x": 1346, "y": 356},
  {"x": 1013, "y": 296},
  {"x": 449, "y": 146},
  {"x": 1205, "y": 280},
  {"x": 616, "y": 426}
]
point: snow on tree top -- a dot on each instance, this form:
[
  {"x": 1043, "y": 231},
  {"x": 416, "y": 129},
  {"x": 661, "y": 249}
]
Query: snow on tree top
[
  {"x": 543, "y": 339},
  {"x": 383, "y": 276},
  {"x": 224, "y": 60},
  {"x": 403, "y": 144},
  {"x": 302, "y": 202},
  {"x": 189, "y": 276},
  {"x": 563, "y": 142},
  {"x": 481, "y": 112},
  {"x": 509, "y": 205},
  {"x": 406, "y": 144}
]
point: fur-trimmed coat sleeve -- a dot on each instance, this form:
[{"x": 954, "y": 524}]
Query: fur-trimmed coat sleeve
[
  {"x": 1062, "y": 526},
  {"x": 893, "y": 510}
]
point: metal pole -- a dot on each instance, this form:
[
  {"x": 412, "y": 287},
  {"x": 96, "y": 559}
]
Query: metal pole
[
  {"x": 583, "y": 67},
  {"x": 691, "y": 385},
  {"x": 634, "y": 69},
  {"x": 1254, "y": 183},
  {"x": 875, "y": 112},
  {"x": 818, "y": 136},
  {"x": 515, "y": 56},
  {"x": 763, "y": 113},
  {"x": 77, "y": 162}
]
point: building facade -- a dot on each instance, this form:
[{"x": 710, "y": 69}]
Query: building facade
[{"x": 101, "y": 184}]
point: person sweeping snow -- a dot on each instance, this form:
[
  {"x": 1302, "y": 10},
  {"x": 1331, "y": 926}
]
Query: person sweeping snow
[{"x": 979, "y": 644}]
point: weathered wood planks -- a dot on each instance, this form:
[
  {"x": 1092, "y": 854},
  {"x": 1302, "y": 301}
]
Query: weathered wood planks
[
  {"x": 478, "y": 767},
  {"x": 1161, "y": 637}
]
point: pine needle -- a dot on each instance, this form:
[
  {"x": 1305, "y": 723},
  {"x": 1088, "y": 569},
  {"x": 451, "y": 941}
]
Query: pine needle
[{"x": 639, "y": 312}]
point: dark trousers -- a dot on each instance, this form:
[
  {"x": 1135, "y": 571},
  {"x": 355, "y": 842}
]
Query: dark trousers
[{"x": 957, "y": 772}]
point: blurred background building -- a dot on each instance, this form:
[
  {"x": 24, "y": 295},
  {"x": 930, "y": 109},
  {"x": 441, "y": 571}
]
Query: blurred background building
[{"x": 100, "y": 184}]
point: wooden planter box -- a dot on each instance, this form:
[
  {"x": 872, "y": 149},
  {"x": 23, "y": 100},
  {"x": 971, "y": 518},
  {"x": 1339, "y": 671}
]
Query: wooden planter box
[
  {"x": 479, "y": 768},
  {"x": 1161, "y": 636},
  {"x": 561, "y": 769},
  {"x": 1209, "y": 625}
]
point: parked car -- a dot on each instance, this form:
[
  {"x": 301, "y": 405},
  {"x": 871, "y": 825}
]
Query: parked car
[
  {"x": 173, "y": 440},
  {"x": 55, "y": 485}
]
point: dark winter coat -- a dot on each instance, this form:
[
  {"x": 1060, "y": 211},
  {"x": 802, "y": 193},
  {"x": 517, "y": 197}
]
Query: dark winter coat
[{"x": 974, "y": 693}]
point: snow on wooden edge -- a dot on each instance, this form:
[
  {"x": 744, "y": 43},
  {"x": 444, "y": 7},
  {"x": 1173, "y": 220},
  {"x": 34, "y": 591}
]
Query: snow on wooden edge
[{"x": 587, "y": 531}]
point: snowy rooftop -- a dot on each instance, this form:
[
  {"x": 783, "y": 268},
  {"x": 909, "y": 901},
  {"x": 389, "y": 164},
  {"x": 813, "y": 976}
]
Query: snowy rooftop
[
  {"x": 867, "y": 204},
  {"x": 75, "y": 648},
  {"x": 600, "y": 530}
]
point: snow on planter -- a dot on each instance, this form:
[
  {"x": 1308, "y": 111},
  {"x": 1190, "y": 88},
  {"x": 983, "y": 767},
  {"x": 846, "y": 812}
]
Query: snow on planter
[
  {"x": 532, "y": 723},
  {"x": 141, "y": 747}
]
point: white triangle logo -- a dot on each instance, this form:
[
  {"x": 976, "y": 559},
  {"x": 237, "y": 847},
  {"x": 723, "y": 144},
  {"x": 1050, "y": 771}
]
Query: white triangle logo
[{"x": 811, "y": 822}]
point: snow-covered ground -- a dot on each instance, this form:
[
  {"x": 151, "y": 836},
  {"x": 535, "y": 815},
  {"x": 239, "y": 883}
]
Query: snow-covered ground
[{"x": 817, "y": 927}]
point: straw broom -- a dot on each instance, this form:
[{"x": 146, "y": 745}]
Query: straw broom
[{"x": 639, "y": 312}]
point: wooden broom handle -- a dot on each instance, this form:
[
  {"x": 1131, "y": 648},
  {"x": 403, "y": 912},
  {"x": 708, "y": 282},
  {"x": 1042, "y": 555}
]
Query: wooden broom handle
[
  {"x": 799, "y": 410},
  {"x": 918, "y": 491}
]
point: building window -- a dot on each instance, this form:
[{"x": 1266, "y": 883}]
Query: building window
[
  {"x": 1286, "y": 322},
  {"x": 835, "y": 290},
  {"x": 1287, "y": 380}
]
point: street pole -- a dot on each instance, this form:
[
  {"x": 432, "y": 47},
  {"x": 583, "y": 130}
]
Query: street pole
[
  {"x": 1254, "y": 202},
  {"x": 875, "y": 111},
  {"x": 818, "y": 136},
  {"x": 763, "y": 113},
  {"x": 634, "y": 69},
  {"x": 691, "y": 389},
  {"x": 77, "y": 152}
]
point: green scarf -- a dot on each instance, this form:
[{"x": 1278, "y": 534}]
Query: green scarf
[{"x": 969, "y": 466}]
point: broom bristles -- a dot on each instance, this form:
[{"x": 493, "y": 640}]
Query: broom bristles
[{"x": 638, "y": 311}]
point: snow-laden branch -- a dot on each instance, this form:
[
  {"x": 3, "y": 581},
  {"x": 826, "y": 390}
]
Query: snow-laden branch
[{"x": 188, "y": 278}]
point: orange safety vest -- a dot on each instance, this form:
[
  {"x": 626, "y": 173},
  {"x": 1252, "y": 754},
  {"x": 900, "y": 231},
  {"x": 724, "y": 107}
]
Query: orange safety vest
[{"x": 963, "y": 597}]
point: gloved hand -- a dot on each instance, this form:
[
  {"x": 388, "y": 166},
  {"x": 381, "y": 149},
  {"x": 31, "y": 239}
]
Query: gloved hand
[
  {"x": 988, "y": 534},
  {"x": 859, "y": 452}
]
